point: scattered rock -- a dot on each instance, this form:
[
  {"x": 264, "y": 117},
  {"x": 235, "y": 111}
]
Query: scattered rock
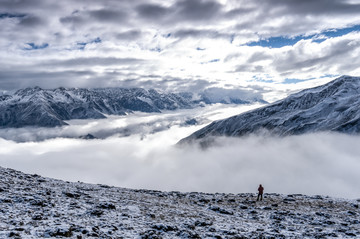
[
  {"x": 243, "y": 207},
  {"x": 352, "y": 213},
  {"x": 72, "y": 195},
  {"x": 202, "y": 223},
  {"x": 204, "y": 200},
  {"x": 151, "y": 234},
  {"x": 165, "y": 228},
  {"x": 289, "y": 200},
  {"x": 37, "y": 217},
  {"x": 96, "y": 212},
  {"x": 58, "y": 232},
  {"x": 14, "y": 234},
  {"x": 107, "y": 205},
  {"x": 220, "y": 210}
]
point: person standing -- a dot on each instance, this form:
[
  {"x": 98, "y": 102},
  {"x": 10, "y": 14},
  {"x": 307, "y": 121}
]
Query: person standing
[{"x": 260, "y": 193}]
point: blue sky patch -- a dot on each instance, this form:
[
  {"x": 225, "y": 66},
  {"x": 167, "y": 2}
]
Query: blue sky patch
[
  {"x": 33, "y": 46},
  {"x": 291, "y": 81},
  {"x": 156, "y": 49},
  {"x": 281, "y": 41},
  {"x": 261, "y": 79},
  {"x": 11, "y": 15},
  {"x": 82, "y": 45},
  {"x": 214, "y": 60},
  {"x": 211, "y": 61}
]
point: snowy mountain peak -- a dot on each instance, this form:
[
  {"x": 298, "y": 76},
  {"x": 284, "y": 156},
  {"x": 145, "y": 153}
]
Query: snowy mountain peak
[
  {"x": 49, "y": 108},
  {"x": 334, "y": 106}
]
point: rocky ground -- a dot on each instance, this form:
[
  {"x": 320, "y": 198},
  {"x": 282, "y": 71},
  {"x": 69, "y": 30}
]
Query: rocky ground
[{"x": 32, "y": 206}]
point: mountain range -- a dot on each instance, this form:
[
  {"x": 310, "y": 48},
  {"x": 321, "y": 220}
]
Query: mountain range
[
  {"x": 334, "y": 106},
  {"x": 50, "y": 108}
]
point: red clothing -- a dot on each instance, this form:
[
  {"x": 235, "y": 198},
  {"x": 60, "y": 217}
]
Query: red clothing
[{"x": 261, "y": 189}]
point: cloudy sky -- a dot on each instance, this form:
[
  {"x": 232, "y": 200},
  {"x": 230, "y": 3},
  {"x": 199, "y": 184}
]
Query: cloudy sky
[{"x": 178, "y": 44}]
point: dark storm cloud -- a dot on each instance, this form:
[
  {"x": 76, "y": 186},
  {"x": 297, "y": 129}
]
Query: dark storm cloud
[
  {"x": 11, "y": 15},
  {"x": 130, "y": 35},
  {"x": 22, "y": 5},
  {"x": 31, "y": 22},
  {"x": 310, "y": 7},
  {"x": 73, "y": 19},
  {"x": 95, "y": 17},
  {"x": 239, "y": 12},
  {"x": 249, "y": 68},
  {"x": 259, "y": 56},
  {"x": 16, "y": 79},
  {"x": 108, "y": 15},
  {"x": 200, "y": 33},
  {"x": 181, "y": 11},
  {"x": 94, "y": 61},
  {"x": 152, "y": 11},
  {"x": 311, "y": 14},
  {"x": 200, "y": 10},
  {"x": 173, "y": 84}
]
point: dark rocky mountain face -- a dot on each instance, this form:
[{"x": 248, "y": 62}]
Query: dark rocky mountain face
[
  {"x": 334, "y": 106},
  {"x": 50, "y": 108}
]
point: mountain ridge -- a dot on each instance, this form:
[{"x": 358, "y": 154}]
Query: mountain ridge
[
  {"x": 52, "y": 107},
  {"x": 334, "y": 106}
]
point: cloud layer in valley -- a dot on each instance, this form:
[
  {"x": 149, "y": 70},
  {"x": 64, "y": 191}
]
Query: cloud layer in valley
[
  {"x": 137, "y": 123},
  {"x": 177, "y": 44},
  {"x": 322, "y": 163}
]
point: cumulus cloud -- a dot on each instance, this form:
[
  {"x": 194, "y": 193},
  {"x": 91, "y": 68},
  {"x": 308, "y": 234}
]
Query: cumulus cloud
[{"x": 174, "y": 40}]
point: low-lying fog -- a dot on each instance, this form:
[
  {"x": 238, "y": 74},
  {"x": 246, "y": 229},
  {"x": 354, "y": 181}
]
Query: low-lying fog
[{"x": 137, "y": 151}]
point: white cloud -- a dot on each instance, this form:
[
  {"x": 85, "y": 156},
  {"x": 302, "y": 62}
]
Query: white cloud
[
  {"x": 182, "y": 40},
  {"x": 140, "y": 124},
  {"x": 324, "y": 163}
]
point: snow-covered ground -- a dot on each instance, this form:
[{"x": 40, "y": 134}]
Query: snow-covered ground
[{"x": 32, "y": 206}]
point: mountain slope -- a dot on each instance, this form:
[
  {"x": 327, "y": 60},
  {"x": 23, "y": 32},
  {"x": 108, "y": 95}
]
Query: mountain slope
[
  {"x": 334, "y": 106},
  {"x": 32, "y": 206},
  {"x": 49, "y": 108}
]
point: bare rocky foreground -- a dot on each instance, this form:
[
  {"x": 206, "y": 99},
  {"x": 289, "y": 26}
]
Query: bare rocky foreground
[{"x": 32, "y": 206}]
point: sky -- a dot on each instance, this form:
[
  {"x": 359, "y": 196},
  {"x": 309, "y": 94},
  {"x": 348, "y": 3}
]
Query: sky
[
  {"x": 148, "y": 158},
  {"x": 273, "y": 47}
]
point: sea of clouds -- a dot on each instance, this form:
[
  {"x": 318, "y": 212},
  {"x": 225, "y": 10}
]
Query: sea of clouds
[{"x": 147, "y": 156}]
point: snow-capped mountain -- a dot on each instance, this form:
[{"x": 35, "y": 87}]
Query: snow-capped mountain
[
  {"x": 334, "y": 106},
  {"x": 32, "y": 206},
  {"x": 48, "y": 108}
]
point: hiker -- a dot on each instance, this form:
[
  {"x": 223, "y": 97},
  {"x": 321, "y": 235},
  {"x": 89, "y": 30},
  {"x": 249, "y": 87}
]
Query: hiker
[{"x": 260, "y": 194}]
